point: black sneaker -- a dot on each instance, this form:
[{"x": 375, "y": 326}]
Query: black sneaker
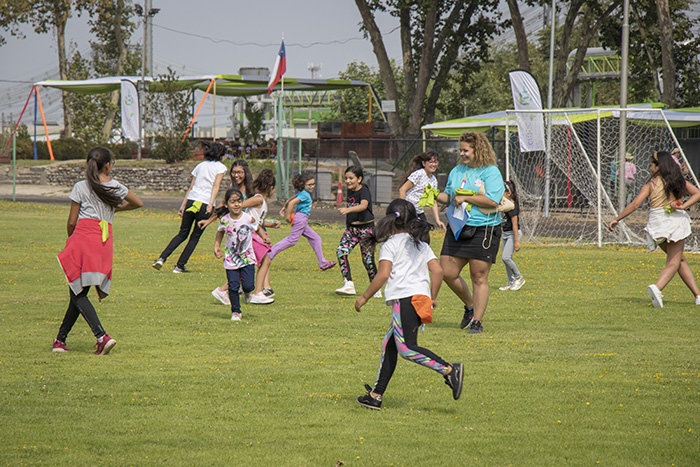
[
  {"x": 468, "y": 317},
  {"x": 454, "y": 379},
  {"x": 476, "y": 328},
  {"x": 368, "y": 401}
]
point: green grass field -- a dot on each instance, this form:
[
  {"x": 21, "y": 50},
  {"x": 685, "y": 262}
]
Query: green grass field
[{"x": 576, "y": 368}]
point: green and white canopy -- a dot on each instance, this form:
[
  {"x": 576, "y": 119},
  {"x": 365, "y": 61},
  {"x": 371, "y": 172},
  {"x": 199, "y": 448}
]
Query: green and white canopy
[{"x": 226, "y": 85}]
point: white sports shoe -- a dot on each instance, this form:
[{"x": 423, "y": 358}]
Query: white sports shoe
[
  {"x": 347, "y": 289},
  {"x": 506, "y": 287},
  {"x": 235, "y": 316},
  {"x": 158, "y": 264},
  {"x": 246, "y": 297},
  {"x": 517, "y": 283},
  {"x": 260, "y": 299},
  {"x": 656, "y": 296},
  {"x": 378, "y": 294},
  {"x": 697, "y": 300},
  {"x": 221, "y": 296}
]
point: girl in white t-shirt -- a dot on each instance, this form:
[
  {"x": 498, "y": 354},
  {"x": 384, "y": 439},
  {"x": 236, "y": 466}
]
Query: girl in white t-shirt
[
  {"x": 406, "y": 263},
  {"x": 421, "y": 175},
  {"x": 197, "y": 205},
  {"x": 236, "y": 230}
]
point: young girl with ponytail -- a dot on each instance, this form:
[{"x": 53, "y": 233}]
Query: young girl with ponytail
[
  {"x": 87, "y": 258},
  {"x": 406, "y": 264}
]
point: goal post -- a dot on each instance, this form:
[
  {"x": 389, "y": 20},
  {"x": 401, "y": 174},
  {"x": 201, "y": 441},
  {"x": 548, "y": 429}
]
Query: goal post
[{"x": 571, "y": 194}]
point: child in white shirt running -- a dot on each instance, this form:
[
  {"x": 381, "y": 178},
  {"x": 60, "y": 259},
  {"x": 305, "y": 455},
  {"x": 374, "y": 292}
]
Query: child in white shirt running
[
  {"x": 406, "y": 264},
  {"x": 237, "y": 228}
]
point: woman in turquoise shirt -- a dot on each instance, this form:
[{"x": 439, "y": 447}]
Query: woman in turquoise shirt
[{"x": 477, "y": 242}]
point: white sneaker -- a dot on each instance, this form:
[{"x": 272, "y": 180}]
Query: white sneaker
[
  {"x": 235, "y": 316},
  {"x": 260, "y": 299},
  {"x": 517, "y": 283},
  {"x": 158, "y": 264},
  {"x": 221, "y": 296},
  {"x": 506, "y": 287},
  {"x": 378, "y": 294},
  {"x": 656, "y": 296},
  {"x": 697, "y": 299},
  {"x": 347, "y": 289},
  {"x": 246, "y": 297}
]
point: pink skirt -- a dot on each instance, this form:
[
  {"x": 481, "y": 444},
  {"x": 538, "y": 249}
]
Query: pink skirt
[
  {"x": 87, "y": 260},
  {"x": 260, "y": 248}
]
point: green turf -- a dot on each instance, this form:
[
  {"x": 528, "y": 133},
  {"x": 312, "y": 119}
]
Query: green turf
[{"x": 576, "y": 368}]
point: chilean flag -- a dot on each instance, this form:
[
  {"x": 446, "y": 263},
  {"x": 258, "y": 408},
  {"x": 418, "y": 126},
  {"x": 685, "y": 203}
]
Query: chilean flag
[{"x": 278, "y": 70}]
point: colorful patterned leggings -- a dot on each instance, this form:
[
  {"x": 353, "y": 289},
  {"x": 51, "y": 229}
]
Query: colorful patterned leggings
[
  {"x": 401, "y": 339},
  {"x": 351, "y": 237}
]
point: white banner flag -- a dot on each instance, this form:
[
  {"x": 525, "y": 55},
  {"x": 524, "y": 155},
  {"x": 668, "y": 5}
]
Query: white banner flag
[
  {"x": 526, "y": 96},
  {"x": 130, "y": 111}
]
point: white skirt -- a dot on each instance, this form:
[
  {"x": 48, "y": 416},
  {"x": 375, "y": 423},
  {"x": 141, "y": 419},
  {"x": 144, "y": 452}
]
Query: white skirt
[{"x": 666, "y": 227}]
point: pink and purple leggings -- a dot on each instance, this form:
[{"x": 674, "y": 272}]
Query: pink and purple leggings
[{"x": 300, "y": 227}]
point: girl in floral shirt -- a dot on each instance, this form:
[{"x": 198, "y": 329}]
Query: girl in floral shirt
[{"x": 236, "y": 229}]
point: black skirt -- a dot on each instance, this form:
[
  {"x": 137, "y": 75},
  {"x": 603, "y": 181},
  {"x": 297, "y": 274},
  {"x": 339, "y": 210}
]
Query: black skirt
[{"x": 480, "y": 243}]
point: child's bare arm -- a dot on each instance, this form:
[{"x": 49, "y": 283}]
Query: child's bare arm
[{"x": 217, "y": 244}]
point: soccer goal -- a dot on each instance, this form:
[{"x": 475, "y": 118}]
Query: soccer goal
[{"x": 569, "y": 194}]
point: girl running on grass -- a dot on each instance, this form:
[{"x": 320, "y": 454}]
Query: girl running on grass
[
  {"x": 87, "y": 258},
  {"x": 236, "y": 229},
  {"x": 359, "y": 221},
  {"x": 422, "y": 176},
  {"x": 406, "y": 264},
  {"x": 297, "y": 212},
  {"x": 241, "y": 179},
  {"x": 668, "y": 224},
  {"x": 197, "y": 205},
  {"x": 256, "y": 206},
  {"x": 511, "y": 239}
]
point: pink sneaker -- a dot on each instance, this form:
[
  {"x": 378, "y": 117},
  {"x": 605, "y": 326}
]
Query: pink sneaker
[
  {"x": 105, "y": 346},
  {"x": 328, "y": 265},
  {"x": 221, "y": 296},
  {"x": 59, "y": 347}
]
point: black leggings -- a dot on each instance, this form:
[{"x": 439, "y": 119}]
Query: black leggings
[
  {"x": 80, "y": 305},
  {"x": 188, "y": 219},
  {"x": 402, "y": 339}
]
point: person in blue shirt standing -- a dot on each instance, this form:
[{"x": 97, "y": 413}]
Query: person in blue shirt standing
[{"x": 475, "y": 186}]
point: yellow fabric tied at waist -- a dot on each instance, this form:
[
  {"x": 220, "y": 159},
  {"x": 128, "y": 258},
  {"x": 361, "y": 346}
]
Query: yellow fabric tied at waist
[
  {"x": 104, "y": 227},
  {"x": 427, "y": 199},
  {"x": 195, "y": 208},
  {"x": 460, "y": 191}
]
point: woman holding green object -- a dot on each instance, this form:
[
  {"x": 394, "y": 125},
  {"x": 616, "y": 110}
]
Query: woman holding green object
[{"x": 474, "y": 189}]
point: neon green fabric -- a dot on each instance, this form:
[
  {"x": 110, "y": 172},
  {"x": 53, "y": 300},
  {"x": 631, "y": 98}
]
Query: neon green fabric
[
  {"x": 104, "y": 227},
  {"x": 460, "y": 191},
  {"x": 427, "y": 199},
  {"x": 195, "y": 208}
]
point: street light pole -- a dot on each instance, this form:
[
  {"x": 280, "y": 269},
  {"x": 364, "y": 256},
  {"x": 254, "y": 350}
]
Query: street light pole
[
  {"x": 143, "y": 78},
  {"x": 147, "y": 13}
]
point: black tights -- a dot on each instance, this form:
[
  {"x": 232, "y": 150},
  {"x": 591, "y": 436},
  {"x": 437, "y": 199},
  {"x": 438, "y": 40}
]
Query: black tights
[{"x": 80, "y": 305}]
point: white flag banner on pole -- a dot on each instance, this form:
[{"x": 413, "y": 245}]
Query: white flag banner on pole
[
  {"x": 526, "y": 96},
  {"x": 130, "y": 111}
]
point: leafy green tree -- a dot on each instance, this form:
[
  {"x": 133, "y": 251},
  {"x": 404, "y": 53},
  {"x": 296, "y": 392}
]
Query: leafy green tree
[
  {"x": 433, "y": 34},
  {"x": 352, "y": 105},
  {"x": 110, "y": 55},
  {"x": 255, "y": 114},
  {"x": 86, "y": 110},
  {"x": 169, "y": 104},
  {"x": 648, "y": 67}
]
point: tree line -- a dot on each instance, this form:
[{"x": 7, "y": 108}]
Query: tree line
[{"x": 450, "y": 65}]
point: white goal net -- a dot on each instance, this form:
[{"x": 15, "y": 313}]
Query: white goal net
[{"x": 572, "y": 195}]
